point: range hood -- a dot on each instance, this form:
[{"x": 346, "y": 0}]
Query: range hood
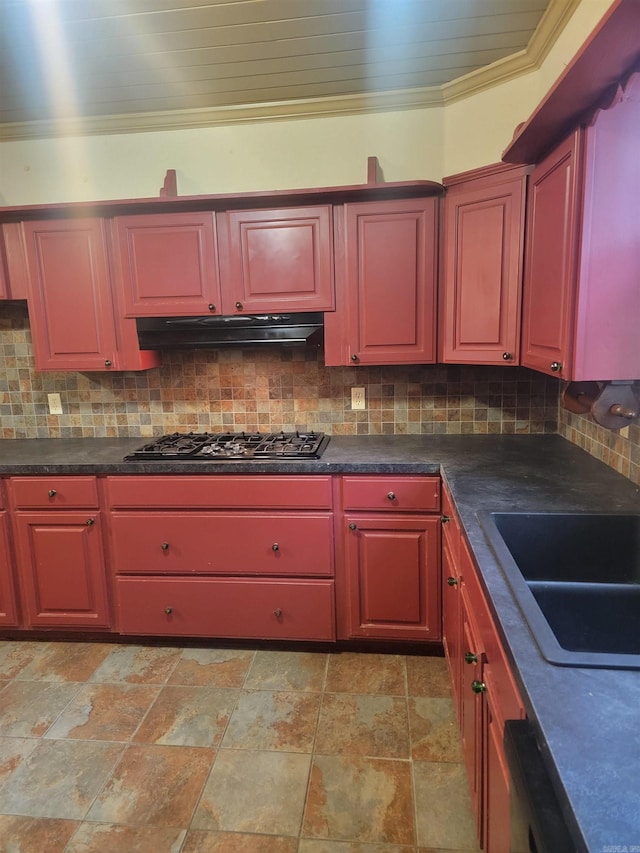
[{"x": 249, "y": 330}]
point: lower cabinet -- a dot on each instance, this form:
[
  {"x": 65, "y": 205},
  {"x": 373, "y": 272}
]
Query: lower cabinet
[
  {"x": 391, "y": 558},
  {"x": 61, "y": 567},
  {"x": 483, "y": 685},
  {"x": 57, "y": 531},
  {"x": 223, "y": 556}
]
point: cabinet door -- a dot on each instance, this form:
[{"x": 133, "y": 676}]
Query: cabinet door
[
  {"x": 166, "y": 264},
  {"x": 70, "y": 308},
  {"x": 550, "y": 260},
  {"x": 278, "y": 260},
  {"x": 392, "y": 568},
  {"x": 61, "y": 567},
  {"x": 451, "y": 619},
  {"x": 472, "y": 706},
  {"x": 497, "y": 830},
  {"x": 386, "y": 267},
  {"x": 483, "y": 252},
  {"x": 8, "y": 604},
  {"x": 4, "y": 279}
]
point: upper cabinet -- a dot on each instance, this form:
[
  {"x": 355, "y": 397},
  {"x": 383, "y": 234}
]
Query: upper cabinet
[
  {"x": 386, "y": 271},
  {"x": 73, "y": 319},
  {"x": 483, "y": 249},
  {"x": 167, "y": 264},
  {"x": 581, "y": 294},
  {"x": 277, "y": 260},
  {"x": 255, "y": 261}
]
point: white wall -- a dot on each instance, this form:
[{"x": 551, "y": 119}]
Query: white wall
[{"x": 286, "y": 154}]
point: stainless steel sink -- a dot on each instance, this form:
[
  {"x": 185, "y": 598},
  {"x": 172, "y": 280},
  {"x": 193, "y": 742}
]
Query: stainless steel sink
[{"x": 576, "y": 577}]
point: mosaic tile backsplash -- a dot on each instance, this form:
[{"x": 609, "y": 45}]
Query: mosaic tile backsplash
[{"x": 284, "y": 388}]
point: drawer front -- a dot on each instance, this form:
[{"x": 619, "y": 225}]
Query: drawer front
[
  {"x": 222, "y": 543},
  {"x": 54, "y": 492},
  {"x": 399, "y": 494},
  {"x": 222, "y": 607},
  {"x": 211, "y": 491}
]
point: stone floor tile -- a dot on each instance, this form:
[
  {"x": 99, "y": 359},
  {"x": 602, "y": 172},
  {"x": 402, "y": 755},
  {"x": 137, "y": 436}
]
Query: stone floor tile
[
  {"x": 443, "y": 806},
  {"x": 284, "y": 670},
  {"x": 29, "y": 708},
  {"x": 65, "y": 662},
  {"x": 428, "y": 676},
  {"x": 104, "y": 712},
  {"x": 188, "y": 716},
  {"x": 363, "y": 725},
  {"x": 353, "y": 798},
  {"x": 153, "y": 786},
  {"x": 435, "y": 735},
  {"x": 279, "y": 720},
  {"x": 34, "y": 835},
  {"x": 212, "y": 667},
  {"x": 255, "y": 792},
  {"x": 13, "y": 751},
  {"x": 237, "y": 842},
  {"x": 114, "y": 838},
  {"x": 59, "y": 779},
  {"x": 353, "y": 672},
  {"x": 15, "y": 655},
  {"x": 138, "y": 665}
]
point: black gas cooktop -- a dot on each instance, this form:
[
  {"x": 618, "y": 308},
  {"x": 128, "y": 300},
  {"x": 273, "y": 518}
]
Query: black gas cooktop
[{"x": 229, "y": 446}]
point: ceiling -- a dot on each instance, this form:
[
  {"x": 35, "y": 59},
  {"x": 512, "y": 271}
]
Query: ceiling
[{"x": 96, "y": 66}]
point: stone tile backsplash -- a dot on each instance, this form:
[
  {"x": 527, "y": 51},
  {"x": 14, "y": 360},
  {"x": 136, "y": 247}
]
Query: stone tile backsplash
[{"x": 285, "y": 388}]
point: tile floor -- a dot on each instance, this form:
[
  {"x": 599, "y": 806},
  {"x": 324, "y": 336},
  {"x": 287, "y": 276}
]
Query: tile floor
[{"x": 147, "y": 749}]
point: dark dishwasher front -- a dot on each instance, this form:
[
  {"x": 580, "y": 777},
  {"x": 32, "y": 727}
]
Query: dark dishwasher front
[{"x": 537, "y": 824}]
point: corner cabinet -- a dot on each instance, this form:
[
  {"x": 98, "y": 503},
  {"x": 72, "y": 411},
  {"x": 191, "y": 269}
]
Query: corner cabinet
[
  {"x": 581, "y": 296},
  {"x": 386, "y": 273},
  {"x": 391, "y": 558},
  {"x": 60, "y": 553},
  {"x": 482, "y": 266},
  {"x": 74, "y": 321}
]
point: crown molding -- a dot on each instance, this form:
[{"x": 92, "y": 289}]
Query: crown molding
[{"x": 551, "y": 25}]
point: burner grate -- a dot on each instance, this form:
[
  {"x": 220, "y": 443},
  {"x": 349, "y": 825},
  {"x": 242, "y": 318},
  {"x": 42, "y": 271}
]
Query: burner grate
[{"x": 232, "y": 446}]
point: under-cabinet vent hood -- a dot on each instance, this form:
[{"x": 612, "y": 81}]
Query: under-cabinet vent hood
[{"x": 249, "y": 330}]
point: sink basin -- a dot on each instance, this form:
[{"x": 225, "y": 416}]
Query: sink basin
[{"x": 576, "y": 577}]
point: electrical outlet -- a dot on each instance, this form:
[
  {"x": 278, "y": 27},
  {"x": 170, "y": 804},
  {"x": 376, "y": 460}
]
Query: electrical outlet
[
  {"x": 55, "y": 404},
  {"x": 358, "y": 398}
]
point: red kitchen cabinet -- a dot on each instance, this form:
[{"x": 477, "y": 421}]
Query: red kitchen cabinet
[
  {"x": 71, "y": 310},
  {"x": 277, "y": 260},
  {"x": 59, "y": 549},
  {"x": 482, "y": 266},
  {"x": 8, "y": 596},
  {"x": 581, "y": 299},
  {"x": 4, "y": 279},
  {"x": 389, "y": 572},
  {"x": 386, "y": 272},
  {"x": 61, "y": 568},
  {"x": 167, "y": 264},
  {"x": 223, "y": 556},
  {"x": 483, "y": 686}
]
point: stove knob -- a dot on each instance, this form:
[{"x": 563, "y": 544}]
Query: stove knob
[
  {"x": 165, "y": 546},
  {"x": 275, "y": 547}
]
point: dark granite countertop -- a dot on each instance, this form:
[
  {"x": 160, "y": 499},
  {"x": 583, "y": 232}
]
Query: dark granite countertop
[{"x": 588, "y": 720}]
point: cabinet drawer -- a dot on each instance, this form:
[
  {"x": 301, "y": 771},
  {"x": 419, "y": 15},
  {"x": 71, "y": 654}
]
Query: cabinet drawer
[
  {"x": 54, "y": 492},
  {"x": 222, "y": 543},
  {"x": 400, "y": 494},
  {"x": 222, "y": 607},
  {"x": 220, "y": 491}
]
